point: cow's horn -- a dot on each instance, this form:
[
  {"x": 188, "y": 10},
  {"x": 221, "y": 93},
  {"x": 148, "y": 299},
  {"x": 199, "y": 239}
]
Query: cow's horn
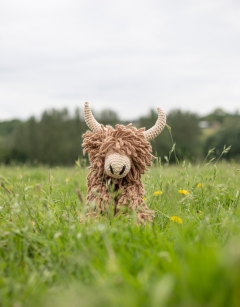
[
  {"x": 91, "y": 122},
  {"x": 151, "y": 133}
]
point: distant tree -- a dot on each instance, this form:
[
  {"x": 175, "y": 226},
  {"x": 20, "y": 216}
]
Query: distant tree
[
  {"x": 15, "y": 156},
  {"x": 78, "y": 127},
  {"x": 55, "y": 139},
  {"x": 185, "y": 133},
  {"x": 7, "y": 132},
  {"x": 20, "y": 147},
  {"x": 108, "y": 117},
  {"x": 218, "y": 115},
  {"x": 228, "y": 135},
  {"x": 8, "y": 127}
]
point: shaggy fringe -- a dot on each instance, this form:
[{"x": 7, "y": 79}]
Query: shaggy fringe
[{"x": 128, "y": 191}]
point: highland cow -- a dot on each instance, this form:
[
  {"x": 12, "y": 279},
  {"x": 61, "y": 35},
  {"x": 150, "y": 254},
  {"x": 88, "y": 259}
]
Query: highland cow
[{"x": 118, "y": 159}]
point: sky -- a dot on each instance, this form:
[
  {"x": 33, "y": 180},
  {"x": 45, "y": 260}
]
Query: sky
[{"x": 128, "y": 56}]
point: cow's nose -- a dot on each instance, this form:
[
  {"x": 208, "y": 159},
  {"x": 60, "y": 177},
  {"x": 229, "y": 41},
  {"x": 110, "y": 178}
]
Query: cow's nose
[
  {"x": 123, "y": 169},
  {"x": 111, "y": 169}
]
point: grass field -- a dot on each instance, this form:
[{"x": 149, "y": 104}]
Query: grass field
[{"x": 51, "y": 256}]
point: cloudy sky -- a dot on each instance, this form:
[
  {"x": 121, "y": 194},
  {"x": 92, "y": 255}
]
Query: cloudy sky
[{"x": 128, "y": 55}]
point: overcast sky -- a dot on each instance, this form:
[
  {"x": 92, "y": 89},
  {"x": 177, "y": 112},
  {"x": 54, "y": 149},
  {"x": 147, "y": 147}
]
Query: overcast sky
[{"x": 128, "y": 55}]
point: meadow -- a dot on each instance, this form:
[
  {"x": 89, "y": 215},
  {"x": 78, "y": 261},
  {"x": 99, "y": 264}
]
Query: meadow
[{"x": 51, "y": 255}]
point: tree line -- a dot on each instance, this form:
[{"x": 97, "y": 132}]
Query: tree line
[{"x": 56, "y": 138}]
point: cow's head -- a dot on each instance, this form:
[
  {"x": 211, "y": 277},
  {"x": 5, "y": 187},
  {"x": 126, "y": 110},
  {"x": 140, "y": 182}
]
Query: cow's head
[{"x": 125, "y": 147}]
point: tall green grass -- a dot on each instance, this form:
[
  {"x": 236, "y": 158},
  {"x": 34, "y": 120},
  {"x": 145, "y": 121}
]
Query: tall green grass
[{"x": 50, "y": 255}]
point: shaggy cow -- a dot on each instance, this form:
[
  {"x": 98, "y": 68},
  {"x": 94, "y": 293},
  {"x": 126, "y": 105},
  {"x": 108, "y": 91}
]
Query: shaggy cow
[{"x": 118, "y": 158}]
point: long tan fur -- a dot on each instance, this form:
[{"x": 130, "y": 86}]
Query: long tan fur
[{"x": 126, "y": 192}]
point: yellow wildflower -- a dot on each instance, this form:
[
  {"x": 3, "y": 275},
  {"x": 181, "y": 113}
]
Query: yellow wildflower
[
  {"x": 144, "y": 198},
  {"x": 183, "y": 192},
  {"x": 200, "y": 186},
  {"x": 176, "y": 219},
  {"x": 158, "y": 193}
]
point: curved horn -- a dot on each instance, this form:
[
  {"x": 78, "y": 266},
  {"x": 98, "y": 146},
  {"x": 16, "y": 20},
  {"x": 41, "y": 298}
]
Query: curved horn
[
  {"x": 91, "y": 122},
  {"x": 151, "y": 133}
]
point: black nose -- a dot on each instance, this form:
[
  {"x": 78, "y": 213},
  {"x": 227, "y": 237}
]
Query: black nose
[
  {"x": 111, "y": 169},
  {"x": 123, "y": 169}
]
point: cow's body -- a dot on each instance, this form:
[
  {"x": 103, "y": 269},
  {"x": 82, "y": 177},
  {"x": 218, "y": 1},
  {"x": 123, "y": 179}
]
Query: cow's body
[{"x": 118, "y": 158}]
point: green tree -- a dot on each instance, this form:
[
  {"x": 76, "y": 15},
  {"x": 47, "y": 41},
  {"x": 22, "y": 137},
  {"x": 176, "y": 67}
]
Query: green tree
[
  {"x": 55, "y": 139},
  {"x": 108, "y": 117},
  {"x": 185, "y": 133},
  {"x": 7, "y": 133},
  {"x": 228, "y": 135}
]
